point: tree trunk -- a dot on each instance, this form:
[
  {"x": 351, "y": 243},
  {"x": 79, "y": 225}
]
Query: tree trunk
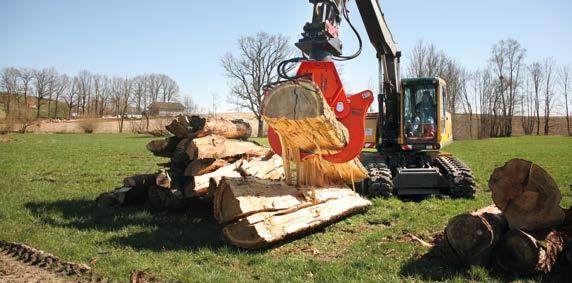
[
  {"x": 300, "y": 115},
  {"x": 527, "y": 195},
  {"x": 522, "y": 253},
  {"x": 472, "y": 236},
  {"x": 197, "y": 127},
  {"x": 217, "y": 147},
  {"x": 260, "y": 127},
  {"x": 235, "y": 129},
  {"x": 270, "y": 212},
  {"x": 165, "y": 147}
]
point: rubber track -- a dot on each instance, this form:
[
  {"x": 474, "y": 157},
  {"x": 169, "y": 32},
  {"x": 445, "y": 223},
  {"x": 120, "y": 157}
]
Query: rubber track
[
  {"x": 31, "y": 256},
  {"x": 463, "y": 183}
]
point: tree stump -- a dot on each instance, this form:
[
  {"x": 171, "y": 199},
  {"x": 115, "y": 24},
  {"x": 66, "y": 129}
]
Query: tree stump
[{"x": 527, "y": 195}]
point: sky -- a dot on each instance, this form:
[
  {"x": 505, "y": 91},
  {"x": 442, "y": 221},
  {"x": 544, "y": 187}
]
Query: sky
[{"x": 186, "y": 39}]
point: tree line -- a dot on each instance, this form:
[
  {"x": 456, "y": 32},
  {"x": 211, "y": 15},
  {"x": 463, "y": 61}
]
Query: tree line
[
  {"x": 83, "y": 95},
  {"x": 505, "y": 89}
]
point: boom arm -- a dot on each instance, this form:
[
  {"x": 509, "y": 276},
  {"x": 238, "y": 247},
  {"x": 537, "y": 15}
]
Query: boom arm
[{"x": 388, "y": 57}]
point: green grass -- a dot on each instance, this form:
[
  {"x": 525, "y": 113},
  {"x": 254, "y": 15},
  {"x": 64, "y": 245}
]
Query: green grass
[{"x": 48, "y": 185}]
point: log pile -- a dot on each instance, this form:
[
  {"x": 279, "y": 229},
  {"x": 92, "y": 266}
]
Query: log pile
[
  {"x": 524, "y": 232},
  {"x": 304, "y": 121},
  {"x": 211, "y": 161}
]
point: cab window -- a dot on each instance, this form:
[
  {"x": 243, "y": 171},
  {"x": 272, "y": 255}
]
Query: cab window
[{"x": 419, "y": 112}]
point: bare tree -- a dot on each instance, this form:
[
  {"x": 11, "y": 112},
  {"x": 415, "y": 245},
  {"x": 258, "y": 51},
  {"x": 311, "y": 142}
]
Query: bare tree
[
  {"x": 565, "y": 81},
  {"x": 527, "y": 104},
  {"x": 484, "y": 88},
  {"x": 61, "y": 86},
  {"x": 168, "y": 88},
  {"x": 9, "y": 82},
  {"x": 26, "y": 76},
  {"x": 536, "y": 75},
  {"x": 42, "y": 80},
  {"x": 254, "y": 67},
  {"x": 548, "y": 94},
  {"x": 84, "y": 89},
  {"x": 190, "y": 105},
  {"x": 122, "y": 90},
  {"x": 69, "y": 96},
  {"x": 507, "y": 59},
  {"x": 428, "y": 61}
]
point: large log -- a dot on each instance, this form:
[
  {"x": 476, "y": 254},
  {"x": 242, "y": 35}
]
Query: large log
[
  {"x": 241, "y": 197},
  {"x": 472, "y": 236},
  {"x": 196, "y": 127},
  {"x": 527, "y": 195},
  {"x": 231, "y": 129},
  {"x": 290, "y": 215},
  {"x": 522, "y": 253},
  {"x": 165, "y": 147},
  {"x": 217, "y": 147},
  {"x": 260, "y": 167},
  {"x": 304, "y": 121},
  {"x": 298, "y": 111}
]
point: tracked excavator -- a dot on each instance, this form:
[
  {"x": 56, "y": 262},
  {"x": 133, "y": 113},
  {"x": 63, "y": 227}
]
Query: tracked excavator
[{"x": 409, "y": 129}]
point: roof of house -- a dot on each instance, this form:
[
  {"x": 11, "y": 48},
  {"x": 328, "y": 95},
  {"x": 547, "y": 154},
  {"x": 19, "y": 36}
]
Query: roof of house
[{"x": 170, "y": 106}]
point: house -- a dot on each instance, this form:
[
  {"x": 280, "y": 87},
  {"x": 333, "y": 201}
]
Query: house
[{"x": 166, "y": 109}]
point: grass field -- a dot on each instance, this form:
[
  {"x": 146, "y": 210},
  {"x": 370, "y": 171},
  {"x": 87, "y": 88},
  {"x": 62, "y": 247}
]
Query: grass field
[{"x": 49, "y": 183}]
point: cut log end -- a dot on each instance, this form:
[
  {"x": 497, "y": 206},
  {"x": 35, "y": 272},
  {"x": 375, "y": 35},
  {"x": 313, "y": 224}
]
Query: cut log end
[{"x": 527, "y": 195}]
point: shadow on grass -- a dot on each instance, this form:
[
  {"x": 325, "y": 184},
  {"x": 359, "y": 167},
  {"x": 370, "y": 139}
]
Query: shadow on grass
[
  {"x": 432, "y": 266},
  {"x": 437, "y": 265},
  {"x": 192, "y": 228}
]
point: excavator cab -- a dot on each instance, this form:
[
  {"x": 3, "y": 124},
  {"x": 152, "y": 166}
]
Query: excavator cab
[{"x": 425, "y": 122}]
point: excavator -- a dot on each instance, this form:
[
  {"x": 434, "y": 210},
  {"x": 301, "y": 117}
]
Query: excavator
[{"x": 411, "y": 125}]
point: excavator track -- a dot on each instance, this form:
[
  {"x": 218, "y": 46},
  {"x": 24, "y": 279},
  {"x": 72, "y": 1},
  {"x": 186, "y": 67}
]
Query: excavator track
[
  {"x": 460, "y": 176},
  {"x": 379, "y": 183}
]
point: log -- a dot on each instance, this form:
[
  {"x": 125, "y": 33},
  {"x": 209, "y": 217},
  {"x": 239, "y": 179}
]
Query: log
[
  {"x": 180, "y": 127},
  {"x": 522, "y": 253},
  {"x": 298, "y": 111},
  {"x": 163, "y": 179},
  {"x": 304, "y": 121},
  {"x": 163, "y": 148},
  {"x": 139, "y": 185},
  {"x": 217, "y": 147},
  {"x": 259, "y": 167},
  {"x": 241, "y": 197},
  {"x": 230, "y": 129},
  {"x": 204, "y": 166},
  {"x": 196, "y": 127},
  {"x": 180, "y": 152},
  {"x": 290, "y": 215},
  {"x": 527, "y": 195},
  {"x": 472, "y": 236},
  {"x": 163, "y": 198}
]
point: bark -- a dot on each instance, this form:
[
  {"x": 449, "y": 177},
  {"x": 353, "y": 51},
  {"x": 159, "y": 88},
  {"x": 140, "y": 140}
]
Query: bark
[
  {"x": 235, "y": 129},
  {"x": 274, "y": 216},
  {"x": 472, "y": 236},
  {"x": 204, "y": 166},
  {"x": 217, "y": 147},
  {"x": 527, "y": 195},
  {"x": 523, "y": 253}
]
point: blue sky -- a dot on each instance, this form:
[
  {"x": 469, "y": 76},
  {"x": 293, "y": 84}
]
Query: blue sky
[{"x": 185, "y": 39}]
